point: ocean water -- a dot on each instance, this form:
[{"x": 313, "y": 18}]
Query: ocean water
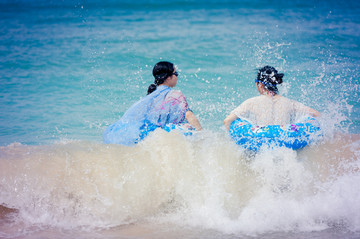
[{"x": 68, "y": 69}]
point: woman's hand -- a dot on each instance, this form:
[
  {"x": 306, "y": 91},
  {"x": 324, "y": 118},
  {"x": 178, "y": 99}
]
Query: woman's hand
[
  {"x": 228, "y": 120},
  {"x": 313, "y": 112}
]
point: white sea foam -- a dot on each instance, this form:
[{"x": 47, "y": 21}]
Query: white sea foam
[{"x": 206, "y": 181}]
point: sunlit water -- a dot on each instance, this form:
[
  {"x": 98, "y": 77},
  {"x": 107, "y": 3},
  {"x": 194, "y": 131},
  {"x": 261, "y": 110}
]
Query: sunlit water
[{"x": 69, "y": 69}]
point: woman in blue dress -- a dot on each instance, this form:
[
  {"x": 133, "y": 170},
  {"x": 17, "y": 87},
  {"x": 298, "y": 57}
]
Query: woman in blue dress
[{"x": 162, "y": 106}]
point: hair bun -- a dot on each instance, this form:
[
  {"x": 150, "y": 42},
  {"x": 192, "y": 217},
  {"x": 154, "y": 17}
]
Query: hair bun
[
  {"x": 151, "y": 88},
  {"x": 270, "y": 74}
]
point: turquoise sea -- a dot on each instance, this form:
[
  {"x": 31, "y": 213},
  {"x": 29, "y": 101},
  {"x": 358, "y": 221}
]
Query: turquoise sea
[{"x": 68, "y": 69}]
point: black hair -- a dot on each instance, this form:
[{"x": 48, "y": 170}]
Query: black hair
[
  {"x": 161, "y": 71},
  {"x": 270, "y": 77}
]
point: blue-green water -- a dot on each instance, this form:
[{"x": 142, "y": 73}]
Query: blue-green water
[{"x": 68, "y": 69}]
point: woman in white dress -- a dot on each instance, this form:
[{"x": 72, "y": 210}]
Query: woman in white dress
[{"x": 269, "y": 108}]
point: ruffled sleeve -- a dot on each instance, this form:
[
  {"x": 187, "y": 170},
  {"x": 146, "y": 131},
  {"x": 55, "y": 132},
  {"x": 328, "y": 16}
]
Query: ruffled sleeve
[
  {"x": 244, "y": 110},
  {"x": 299, "y": 110}
]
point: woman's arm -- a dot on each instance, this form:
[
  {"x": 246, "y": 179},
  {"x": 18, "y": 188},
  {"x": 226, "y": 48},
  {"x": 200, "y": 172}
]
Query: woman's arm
[
  {"x": 228, "y": 120},
  {"x": 313, "y": 112},
  {"x": 303, "y": 109},
  {"x": 191, "y": 118}
]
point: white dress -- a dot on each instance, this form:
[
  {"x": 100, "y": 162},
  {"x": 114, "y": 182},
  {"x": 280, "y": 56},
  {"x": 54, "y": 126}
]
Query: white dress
[{"x": 265, "y": 110}]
